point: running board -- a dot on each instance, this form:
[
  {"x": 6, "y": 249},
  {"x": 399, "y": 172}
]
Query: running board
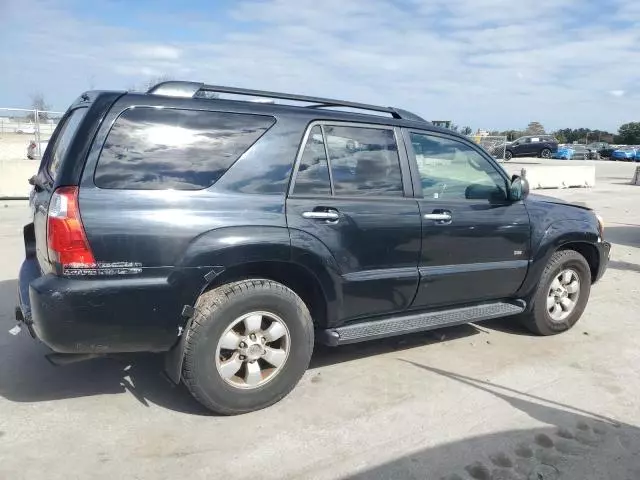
[{"x": 418, "y": 322}]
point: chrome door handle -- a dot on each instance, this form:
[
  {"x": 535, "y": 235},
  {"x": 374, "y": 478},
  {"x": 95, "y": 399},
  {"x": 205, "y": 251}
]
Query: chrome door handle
[
  {"x": 321, "y": 215},
  {"x": 438, "y": 217}
]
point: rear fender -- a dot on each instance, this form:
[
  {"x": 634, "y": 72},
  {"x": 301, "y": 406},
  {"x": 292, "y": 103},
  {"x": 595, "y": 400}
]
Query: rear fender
[{"x": 229, "y": 247}]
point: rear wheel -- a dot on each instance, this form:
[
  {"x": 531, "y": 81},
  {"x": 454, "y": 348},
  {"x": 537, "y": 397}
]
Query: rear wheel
[
  {"x": 562, "y": 294},
  {"x": 249, "y": 343},
  {"x": 508, "y": 155},
  {"x": 545, "y": 153}
]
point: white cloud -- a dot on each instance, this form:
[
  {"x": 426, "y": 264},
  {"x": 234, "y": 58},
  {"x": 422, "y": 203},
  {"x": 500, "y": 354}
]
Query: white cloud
[
  {"x": 487, "y": 63},
  {"x": 617, "y": 93},
  {"x": 155, "y": 52}
]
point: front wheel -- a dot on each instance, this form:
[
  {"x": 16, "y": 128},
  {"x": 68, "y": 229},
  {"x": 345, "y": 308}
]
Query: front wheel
[
  {"x": 545, "y": 153},
  {"x": 562, "y": 294},
  {"x": 248, "y": 345}
]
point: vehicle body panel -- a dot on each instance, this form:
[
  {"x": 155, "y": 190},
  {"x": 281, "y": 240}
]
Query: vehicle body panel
[{"x": 482, "y": 254}]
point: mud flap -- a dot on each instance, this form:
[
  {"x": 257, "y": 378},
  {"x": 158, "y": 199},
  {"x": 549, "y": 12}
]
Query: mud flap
[{"x": 173, "y": 358}]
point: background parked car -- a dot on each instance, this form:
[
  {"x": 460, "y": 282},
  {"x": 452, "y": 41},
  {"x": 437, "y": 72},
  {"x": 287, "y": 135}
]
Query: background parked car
[
  {"x": 532, "y": 146},
  {"x": 32, "y": 149},
  {"x": 625, "y": 154},
  {"x": 600, "y": 150},
  {"x": 573, "y": 152},
  {"x": 26, "y": 129}
]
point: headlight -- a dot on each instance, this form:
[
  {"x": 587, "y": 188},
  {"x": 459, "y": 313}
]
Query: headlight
[{"x": 600, "y": 225}]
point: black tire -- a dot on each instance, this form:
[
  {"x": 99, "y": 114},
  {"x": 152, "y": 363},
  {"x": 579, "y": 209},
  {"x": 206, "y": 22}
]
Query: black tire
[
  {"x": 545, "y": 153},
  {"x": 215, "y": 311},
  {"x": 539, "y": 320},
  {"x": 508, "y": 156}
]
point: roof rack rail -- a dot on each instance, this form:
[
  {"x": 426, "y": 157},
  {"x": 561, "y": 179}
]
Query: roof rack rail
[{"x": 191, "y": 89}]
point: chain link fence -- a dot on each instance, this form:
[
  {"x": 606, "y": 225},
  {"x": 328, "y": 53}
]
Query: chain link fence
[
  {"x": 24, "y": 133},
  {"x": 495, "y": 145}
]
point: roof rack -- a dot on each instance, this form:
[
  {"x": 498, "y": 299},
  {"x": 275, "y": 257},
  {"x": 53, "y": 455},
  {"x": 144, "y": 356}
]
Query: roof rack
[{"x": 191, "y": 89}]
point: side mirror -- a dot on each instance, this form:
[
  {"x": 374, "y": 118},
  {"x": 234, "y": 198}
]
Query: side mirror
[{"x": 519, "y": 188}]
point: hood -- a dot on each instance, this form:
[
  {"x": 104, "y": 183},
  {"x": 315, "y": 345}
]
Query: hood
[{"x": 535, "y": 197}]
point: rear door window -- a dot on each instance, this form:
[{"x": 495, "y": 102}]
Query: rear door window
[
  {"x": 63, "y": 140},
  {"x": 161, "y": 149},
  {"x": 364, "y": 161}
]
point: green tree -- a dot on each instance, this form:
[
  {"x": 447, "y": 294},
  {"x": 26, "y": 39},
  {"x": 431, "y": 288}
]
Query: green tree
[
  {"x": 629, "y": 133},
  {"x": 560, "y": 136},
  {"x": 535, "y": 128},
  {"x": 466, "y": 130}
]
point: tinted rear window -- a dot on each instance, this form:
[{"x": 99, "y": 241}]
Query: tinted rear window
[
  {"x": 158, "y": 149},
  {"x": 63, "y": 140}
]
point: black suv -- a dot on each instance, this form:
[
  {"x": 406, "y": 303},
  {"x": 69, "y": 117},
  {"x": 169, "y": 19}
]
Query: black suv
[
  {"x": 232, "y": 234},
  {"x": 543, "y": 146}
]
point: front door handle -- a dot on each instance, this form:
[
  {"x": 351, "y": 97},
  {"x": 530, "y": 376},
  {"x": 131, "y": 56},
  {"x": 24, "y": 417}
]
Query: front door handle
[
  {"x": 321, "y": 215},
  {"x": 438, "y": 217}
]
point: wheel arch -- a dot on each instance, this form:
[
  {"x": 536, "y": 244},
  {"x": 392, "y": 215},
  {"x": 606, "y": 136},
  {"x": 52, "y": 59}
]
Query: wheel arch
[
  {"x": 294, "y": 276},
  {"x": 589, "y": 252}
]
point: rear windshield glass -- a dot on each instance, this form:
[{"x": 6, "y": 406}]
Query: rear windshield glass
[
  {"x": 63, "y": 140},
  {"x": 159, "y": 149}
]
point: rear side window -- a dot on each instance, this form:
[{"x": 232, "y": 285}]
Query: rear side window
[
  {"x": 63, "y": 140},
  {"x": 161, "y": 149}
]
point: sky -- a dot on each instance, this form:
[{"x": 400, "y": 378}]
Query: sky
[{"x": 491, "y": 64}]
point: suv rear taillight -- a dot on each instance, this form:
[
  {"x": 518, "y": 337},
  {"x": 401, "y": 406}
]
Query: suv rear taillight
[{"x": 66, "y": 240}]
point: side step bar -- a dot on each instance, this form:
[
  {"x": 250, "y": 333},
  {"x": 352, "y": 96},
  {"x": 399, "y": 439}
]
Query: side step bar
[{"x": 417, "y": 322}]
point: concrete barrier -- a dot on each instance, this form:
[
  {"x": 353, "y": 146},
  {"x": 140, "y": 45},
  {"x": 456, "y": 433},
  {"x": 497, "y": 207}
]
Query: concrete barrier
[
  {"x": 543, "y": 176},
  {"x": 14, "y": 177}
]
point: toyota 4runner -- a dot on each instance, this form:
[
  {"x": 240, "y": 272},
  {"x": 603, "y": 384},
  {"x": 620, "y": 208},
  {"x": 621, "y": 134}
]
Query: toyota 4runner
[{"x": 232, "y": 235}]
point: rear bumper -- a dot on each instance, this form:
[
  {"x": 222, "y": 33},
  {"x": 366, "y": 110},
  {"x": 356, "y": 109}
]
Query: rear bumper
[
  {"x": 102, "y": 315},
  {"x": 604, "y": 250}
]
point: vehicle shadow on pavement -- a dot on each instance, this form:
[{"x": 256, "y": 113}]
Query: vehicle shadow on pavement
[
  {"x": 628, "y": 235},
  {"x": 575, "y": 444},
  {"x": 27, "y": 376}
]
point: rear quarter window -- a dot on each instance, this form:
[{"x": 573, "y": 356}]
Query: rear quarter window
[
  {"x": 160, "y": 149},
  {"x": 63, "y": 140}
]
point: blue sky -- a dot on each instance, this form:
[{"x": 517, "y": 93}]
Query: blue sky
[{"x": 492, "y": 64}]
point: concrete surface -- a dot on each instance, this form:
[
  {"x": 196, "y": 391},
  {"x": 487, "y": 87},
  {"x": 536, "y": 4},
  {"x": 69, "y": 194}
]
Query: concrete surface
[
  {"x": 14, "y": 177},
  {"x": 470, "y": 402}
]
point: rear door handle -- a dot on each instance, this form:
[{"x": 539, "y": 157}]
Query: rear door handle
[
  {"x": 321, "y": 215},
  {"x": 438, "y": 217}
]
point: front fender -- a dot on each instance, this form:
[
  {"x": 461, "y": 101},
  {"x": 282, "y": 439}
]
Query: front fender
[{"x": 555, "y": 236}]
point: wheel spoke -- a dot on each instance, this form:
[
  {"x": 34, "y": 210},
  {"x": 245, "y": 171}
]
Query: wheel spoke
[
  {"x": 275, "y": 356},
  {"x": 556, "y": 284},
  {"x": 229, "y": 368},
  {"x": 566, "y": 277},
  {"x": 573, "y": 287},
  {"x": 254, "y": 374},
  {"x": 253, "y": 323},
  {"x": 230, "y": 340},
  {"x": 274, "y": 332},
  {"x": 556, "y": 310},
  {"x": 551, "y": 301},
  {"x": 567, "y": 304}
]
